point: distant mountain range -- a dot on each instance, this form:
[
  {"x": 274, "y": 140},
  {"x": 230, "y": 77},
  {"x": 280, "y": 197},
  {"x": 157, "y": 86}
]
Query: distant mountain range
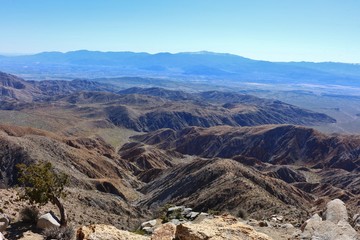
[
  {"x": 203, "y": 65},
  {"x": 154, "y": 108}
]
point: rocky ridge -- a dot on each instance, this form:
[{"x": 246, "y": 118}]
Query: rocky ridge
[{"x": 275, "y": 144}]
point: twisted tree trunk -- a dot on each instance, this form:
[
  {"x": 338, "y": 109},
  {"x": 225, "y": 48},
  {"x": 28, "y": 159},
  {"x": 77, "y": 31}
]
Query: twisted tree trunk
[{"x": 63, "y": 218}]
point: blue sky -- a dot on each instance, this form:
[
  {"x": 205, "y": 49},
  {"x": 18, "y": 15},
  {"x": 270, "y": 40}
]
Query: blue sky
[{"x": 277, "y": 30}]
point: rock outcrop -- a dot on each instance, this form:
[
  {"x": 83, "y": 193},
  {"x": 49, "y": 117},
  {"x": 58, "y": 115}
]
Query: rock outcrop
[
  {"x": 336, "y": 211},
  {"x": 224, "y": 227},
  {"x": 335, "y": 225},
  {"x": 275, "y": 144},
  {"x": 166, "y": 231},
  {"x": 106, "y": 232}
]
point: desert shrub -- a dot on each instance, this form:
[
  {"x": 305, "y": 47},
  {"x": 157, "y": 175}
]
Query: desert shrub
[
  {"x": 62, "y": 233},
  {"x": 177, "y": 214},
  {"x": 163, "y": 213},
  {"x": 139, "y": 231},
  {"x": 242, "y": 214},
  {"x": 164, "y": 218},
  {"x": 42, "y": 184},
  {"x": 213, "y": 212},
  {"x": 29, "y": 214}
]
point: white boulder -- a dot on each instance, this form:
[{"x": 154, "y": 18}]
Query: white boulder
[{"x": 47, "y": 221}]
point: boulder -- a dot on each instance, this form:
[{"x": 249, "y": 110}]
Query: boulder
[
  {"x": 29, "y": 235},
  {"x": 150, "y": 223},
  {"x": 218, "y": 228},
  {"x": 335, "y": 225},
  {"x": 336, "y": 211},
  {"x": 327, "y": 230},
  {"x": 106, "y": 232},
  {"x": 164, "y": 232},
  {"x": 201, "y": 217},
  {"x": 252, "y": 222},
  {"x": 287, "y": 226},
  {"x": 148, "y": 230},
  {"x": 4, "y": 222},
  {"x": 192, "y": 215},
  {"x": 47, "y": 221},
  {"x": 186, "y": 211},
  {"x": 175, "y": 221}
]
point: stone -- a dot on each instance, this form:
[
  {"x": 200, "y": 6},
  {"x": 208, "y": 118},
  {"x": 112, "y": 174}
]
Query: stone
[
  {"x": 201, "y": 217},
  {"x": 29, "y": 235},
  {"x": 4, "y": 222},
  {"x": 148, "y": 230},
  {"x": 329, "y": 231},
  {"x": 175, "y": 221},
  {"x": 164, "y": 232},
  {"x": 334, "y": 227},
  {"x": 218, "y": 228},
  {"x": 47, "y": 221},
  {"x": 336, "y": 211},
  {"x": 106, "y": 232},
  {"x": 287, "y": 226},
  {"x": 192, "y": 215},
  {"x": 186, "y": 211},
  {"x": 150, "y": 223},
  {"x": 252, "y": 222}
]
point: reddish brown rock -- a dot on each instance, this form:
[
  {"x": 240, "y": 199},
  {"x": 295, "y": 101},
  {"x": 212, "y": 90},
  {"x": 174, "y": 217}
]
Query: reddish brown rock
[
  {"x": 106, "y": 232},
  {"x": 218, "y": 228},
  {"x": 164, "y": 232}
]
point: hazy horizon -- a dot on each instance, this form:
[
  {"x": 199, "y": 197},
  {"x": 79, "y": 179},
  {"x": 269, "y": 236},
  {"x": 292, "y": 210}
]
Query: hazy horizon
[
  {"x": 315, "y": 31},
  {"x": 154, "y": 53}
]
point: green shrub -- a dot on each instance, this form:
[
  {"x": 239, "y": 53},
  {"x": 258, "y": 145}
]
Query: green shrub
[
  {"x": 62, "y": 233},
  {"x": 42, "y": 184},
  {"x": 176, "y": 214},
  {"x": 29, "y": 214},
  {"x": 213, "y": 212},
  {"x": 163, "y": 213},
  {"x": 139, "y": 231},
  {"x": 242, "y": 214}
]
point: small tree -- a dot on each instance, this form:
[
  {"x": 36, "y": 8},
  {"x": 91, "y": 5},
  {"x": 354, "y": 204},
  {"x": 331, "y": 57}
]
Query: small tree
[{"x": 42, "y": 185}]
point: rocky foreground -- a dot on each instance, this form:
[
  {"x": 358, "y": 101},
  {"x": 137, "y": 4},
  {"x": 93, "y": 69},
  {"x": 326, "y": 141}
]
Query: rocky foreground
[
  {"x": 332, "y": 225},
  {"x": 181, "y": 223},
  {"x": 220, "y": 227}
]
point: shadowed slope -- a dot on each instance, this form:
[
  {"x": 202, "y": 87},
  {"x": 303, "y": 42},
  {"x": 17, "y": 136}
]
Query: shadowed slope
[
  {"x": 274, "y": 144},
  {"x": 225, "y": 185},
  {"x": 86, "y": 161}
]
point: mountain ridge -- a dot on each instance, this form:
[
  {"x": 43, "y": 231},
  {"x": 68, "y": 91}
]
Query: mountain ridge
[
  {"x": 275, "y": 144},
  {"x": 187, "y": 65}
]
